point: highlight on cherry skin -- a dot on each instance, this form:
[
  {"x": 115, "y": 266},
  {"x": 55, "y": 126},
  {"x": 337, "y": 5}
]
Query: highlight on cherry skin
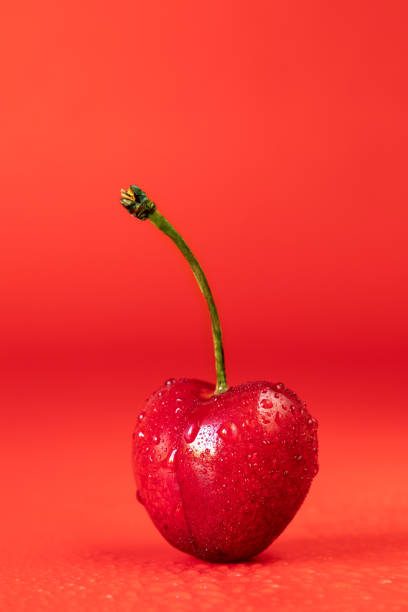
[{"x": 221, "y": 471}]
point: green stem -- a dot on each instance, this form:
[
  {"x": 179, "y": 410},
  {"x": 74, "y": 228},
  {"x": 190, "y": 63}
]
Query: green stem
[{"x": 137, "y": 203}]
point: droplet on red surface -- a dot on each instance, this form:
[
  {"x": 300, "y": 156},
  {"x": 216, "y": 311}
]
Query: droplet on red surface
[
  {"x": 170, "y": 381},
  {"x": 155, "y": 439},
  {"x": 228, "y": 431},
  {"x": 141, "y": 416},
  {"x": 191, "y": 432},
  {"x": 279, "y": 386},
  {"x": 172, "y": 460}
]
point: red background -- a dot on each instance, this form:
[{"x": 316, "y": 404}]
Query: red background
[{"x": 273, "y": 136}]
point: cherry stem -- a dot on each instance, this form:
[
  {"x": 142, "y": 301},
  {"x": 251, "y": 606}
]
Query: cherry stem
[{"x": 139, "y": 205}]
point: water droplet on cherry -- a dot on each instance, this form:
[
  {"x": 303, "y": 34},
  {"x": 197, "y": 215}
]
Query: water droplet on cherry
[
  {"x": 172, "y": 460},
  {"x": 170, "y": 381},
  {"x": 141, "y": 416},
  {"x": 228, "y": 431},
  {"x": 191, "y": 432}
]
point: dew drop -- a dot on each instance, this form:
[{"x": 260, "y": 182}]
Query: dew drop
[
  {"x": 170, "y": 381},
  {"x": 172, "y": 460},
  {"x": 279, "y": 386},
  {"x": 141, "y": 434},
  {"x": 228, "y": 431},
  {"x": 155, "y": 439},
  {"x": 141, "y": 416},
  {"x": 191, "y": 432},
  {"x": 177, "y": 411}
]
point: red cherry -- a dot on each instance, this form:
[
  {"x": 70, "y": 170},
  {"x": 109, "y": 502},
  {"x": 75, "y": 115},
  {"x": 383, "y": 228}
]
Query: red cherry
[
  {"x": 227, "y": 475},
  {"x": 220, "y": 471}
]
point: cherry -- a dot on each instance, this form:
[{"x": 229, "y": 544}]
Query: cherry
[{"x": 221, "y": 471}]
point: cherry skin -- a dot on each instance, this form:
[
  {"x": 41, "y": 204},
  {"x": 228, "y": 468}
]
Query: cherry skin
[{"x": 222, "y": 475}]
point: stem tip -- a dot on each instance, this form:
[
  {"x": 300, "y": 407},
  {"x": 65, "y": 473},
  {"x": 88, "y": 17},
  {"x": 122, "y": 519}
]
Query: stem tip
[{"x": 137, "y": 203}]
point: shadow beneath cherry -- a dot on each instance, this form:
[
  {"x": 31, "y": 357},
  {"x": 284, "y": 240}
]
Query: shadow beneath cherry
[
  {"x": 160, "y": 554},
  {"x": 290, "y": 551}
]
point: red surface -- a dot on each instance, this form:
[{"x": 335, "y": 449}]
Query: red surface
[
  {"x": 273, "y": 135},
  {"x": 74, "y": 537}
]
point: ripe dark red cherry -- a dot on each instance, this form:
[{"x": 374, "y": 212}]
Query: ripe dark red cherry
[
  {"x": 220, "y": 471},
  {"x": 222, "y": 476}
]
